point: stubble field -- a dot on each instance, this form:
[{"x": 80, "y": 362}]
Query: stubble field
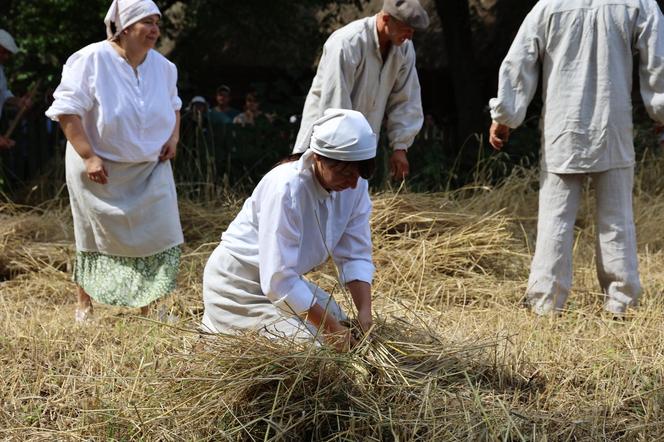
[{"x": 453, "y": 355}]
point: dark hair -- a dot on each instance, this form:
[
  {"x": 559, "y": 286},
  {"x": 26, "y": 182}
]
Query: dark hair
[
  {"x": 365, "y": 168},
  {"x": 289, "y": 159},
  {"x": 223, "y": 89}
]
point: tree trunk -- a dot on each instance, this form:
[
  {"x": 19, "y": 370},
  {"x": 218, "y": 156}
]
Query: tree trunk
[{"x": 466, "y": 80}]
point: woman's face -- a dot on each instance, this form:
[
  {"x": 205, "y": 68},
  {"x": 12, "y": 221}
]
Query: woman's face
[
  {"x": 336, "y": 175},
  {"x": 144, "y": 32},
  {"x": 251, "y": 103}
]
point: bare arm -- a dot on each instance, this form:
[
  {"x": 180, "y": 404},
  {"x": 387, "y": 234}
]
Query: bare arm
[
  {"x": 361, "y": 293},
  {"x": 72, "y": 126},
  {"x": 342, "y": 339}
]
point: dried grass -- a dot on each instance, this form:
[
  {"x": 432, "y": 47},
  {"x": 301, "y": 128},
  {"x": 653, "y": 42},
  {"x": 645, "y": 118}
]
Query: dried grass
[{"x": 453, "y": 356}]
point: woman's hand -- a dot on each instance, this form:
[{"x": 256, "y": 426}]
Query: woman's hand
[
  {"x": 361, "y": 293},
  {"x": 340, "y": 337},
  {"x": 94, "y": 166},
  {"x": 335, "y": 334},
  {"x": 365, "y": 320},
  {"x": 168, "y": 151}
]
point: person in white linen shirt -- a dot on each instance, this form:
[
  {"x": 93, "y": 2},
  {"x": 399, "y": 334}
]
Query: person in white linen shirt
[
  {"x": 118, "y": 106},
  {"x": 7, "y": 49},
  {"x": 369, "y": 66},
  {"x": 584, "y": 51},
  {"x": 300, "y": 214}
]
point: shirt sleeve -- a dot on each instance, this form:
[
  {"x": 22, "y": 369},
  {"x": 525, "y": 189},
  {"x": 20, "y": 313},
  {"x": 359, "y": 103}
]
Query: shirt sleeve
[
  {"x": 519, "y": 74},
  {"x": 331, "y": 88},
  {"x": 279, "y": 228},
  {"x": 176, "y": 102},
  {"x": 649, "y": 42},
  {"x": 74, "y": 95},
  {"x": 353, "y": 252},
  {"x": 337, "y": 69},
  {"x": 404, "y": 105},
  {"x": 5, "y": 93}
]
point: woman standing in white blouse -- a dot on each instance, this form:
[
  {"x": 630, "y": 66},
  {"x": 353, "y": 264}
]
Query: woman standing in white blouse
[
  {"x": 300, "y": 214},
  {"x": 118, "y": 106}
]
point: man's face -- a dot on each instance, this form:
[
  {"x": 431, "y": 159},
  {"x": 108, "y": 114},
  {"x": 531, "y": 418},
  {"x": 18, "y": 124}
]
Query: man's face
[
  {"x": 398, "y": 31},
  {"x": 5, "y": 55},
  {"x": 223, "y": 99}
]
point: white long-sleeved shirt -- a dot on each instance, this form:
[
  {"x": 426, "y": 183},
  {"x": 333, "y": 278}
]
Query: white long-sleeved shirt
[
  {"x": 5, "y": 93},
  {"x": 291, "y": 224},
  {"x": 584, "y": 49},
  {"x": 127, "y": 116},
  {"x": 352, "y": 75}
]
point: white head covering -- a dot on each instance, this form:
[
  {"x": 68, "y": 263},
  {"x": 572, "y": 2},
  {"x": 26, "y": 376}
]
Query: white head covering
[
  {"x": 344, "y": 135},
  {"x": 7, "y": 42},
  {"x": 197, "y": 99},
  {"x": 124, "y": 13}
]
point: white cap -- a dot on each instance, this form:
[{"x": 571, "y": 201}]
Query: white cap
[
  {"x": 344, "y": 135},
  {"x": 124, "y": 13},
  {"x": 7, "y": 42}
]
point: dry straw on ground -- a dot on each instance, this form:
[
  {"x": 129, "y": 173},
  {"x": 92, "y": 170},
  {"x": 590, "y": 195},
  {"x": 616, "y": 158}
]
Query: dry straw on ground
[{"x": 453, "y": 355}]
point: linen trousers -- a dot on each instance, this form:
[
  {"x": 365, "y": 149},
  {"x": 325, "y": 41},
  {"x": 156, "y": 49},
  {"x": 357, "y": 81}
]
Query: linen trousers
[{"x": 550, "y": 278}]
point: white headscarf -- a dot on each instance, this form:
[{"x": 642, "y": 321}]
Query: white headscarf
[
  {"x": 344, "y": 135},
  {"x": 124, "y": 13}
]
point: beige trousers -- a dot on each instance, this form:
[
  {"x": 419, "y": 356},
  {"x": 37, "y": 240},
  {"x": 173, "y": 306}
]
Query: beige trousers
[{"x": 617, "y": 266}]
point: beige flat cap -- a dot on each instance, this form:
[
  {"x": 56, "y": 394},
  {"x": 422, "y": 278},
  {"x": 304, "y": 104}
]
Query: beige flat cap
[
  {"x": 7, "y": 42},
  {"x": 409, "y": 12}
]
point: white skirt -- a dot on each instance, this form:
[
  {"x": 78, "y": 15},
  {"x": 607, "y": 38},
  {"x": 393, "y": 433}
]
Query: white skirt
[
  {"x": 234, "y": 301},
  {"x": 135, "y": 214}
]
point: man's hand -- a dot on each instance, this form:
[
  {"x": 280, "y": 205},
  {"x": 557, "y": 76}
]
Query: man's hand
[
  {"x": 6, "y": 143},
  {"x": 498, "y": 135},
  {"x": 24, "y": 102},
  {"x": 399, "y": 167},
  {"x": 20, "y": 102},
  {"x": 94, "y": 166}
]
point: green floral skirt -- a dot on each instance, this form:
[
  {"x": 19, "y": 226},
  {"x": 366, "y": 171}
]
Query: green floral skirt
[{"x": 131, "y": 282}]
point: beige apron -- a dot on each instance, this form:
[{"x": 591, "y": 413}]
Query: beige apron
[
  {"x": 234, "y": 301},
  {"x": 135, "y": 214}
]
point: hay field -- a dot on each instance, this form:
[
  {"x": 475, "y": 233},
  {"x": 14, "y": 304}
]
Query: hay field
[{"x": 453, "y": 355}]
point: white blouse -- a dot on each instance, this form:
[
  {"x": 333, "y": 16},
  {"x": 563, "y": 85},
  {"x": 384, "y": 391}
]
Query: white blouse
[
  {"x": 127, "y": 116},
  {"x": 290, "y": 225}
]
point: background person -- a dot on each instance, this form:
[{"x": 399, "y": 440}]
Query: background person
[
  {"x": 252, "y": 113},
  {"x": 118, "y": 106},
  {"x": 369, "y": 66},
  {"x": 300, "y": 213},
  {"x": 7, "y": 49},
  {"x": 585, "y": 52},
  {"x": 222, "y": 112}
]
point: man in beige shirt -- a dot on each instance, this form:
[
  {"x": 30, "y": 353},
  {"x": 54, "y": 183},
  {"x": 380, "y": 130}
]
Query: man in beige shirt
[
  {"x": 584, "y": 50},
  {"x": 369, "y": 66}
]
